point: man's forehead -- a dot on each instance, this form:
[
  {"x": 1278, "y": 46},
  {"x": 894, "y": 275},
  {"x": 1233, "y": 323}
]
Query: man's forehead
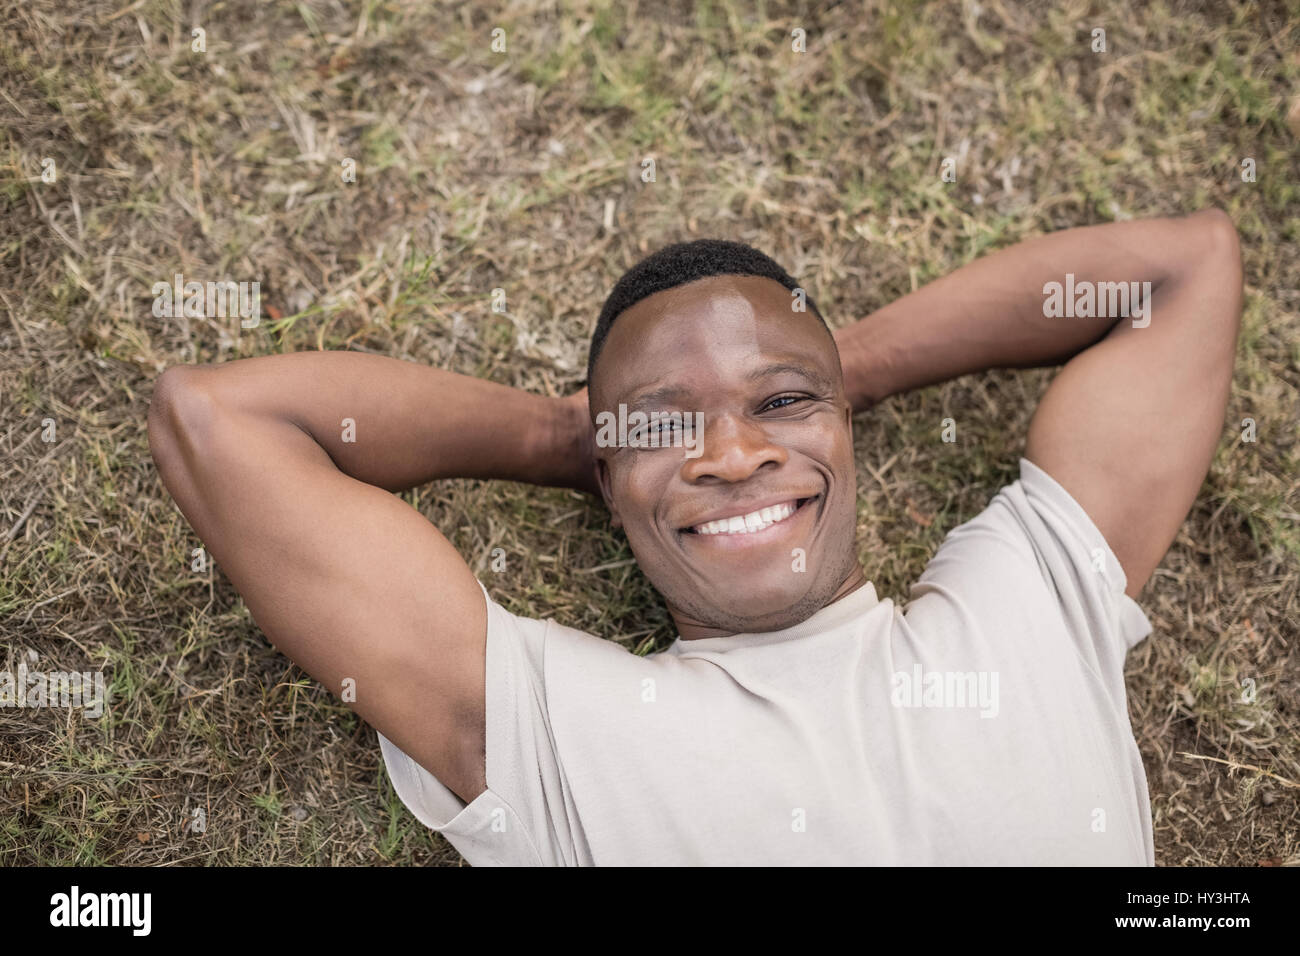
[
  {"x": 733, "y": 295},
  {"x": 711, "y": 325}
]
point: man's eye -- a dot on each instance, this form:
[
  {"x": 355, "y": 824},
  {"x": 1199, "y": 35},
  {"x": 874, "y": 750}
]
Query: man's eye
[
  {"x": 661, "y": 428},
  {"x": 784, "y": 401},
  {"x": 655, "y": 434}
]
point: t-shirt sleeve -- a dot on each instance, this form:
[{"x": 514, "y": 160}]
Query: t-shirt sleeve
[
  {"x": 523, "y": 817},
  {"x": 1033, "y": 553}
]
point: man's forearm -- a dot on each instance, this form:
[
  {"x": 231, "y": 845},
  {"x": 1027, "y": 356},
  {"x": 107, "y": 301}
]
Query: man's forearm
[
  {"x": 990, "y": 313},
  {"x": 396, "y": 424}
]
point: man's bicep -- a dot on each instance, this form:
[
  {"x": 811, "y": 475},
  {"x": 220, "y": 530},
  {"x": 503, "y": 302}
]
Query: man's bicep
[
  {"x": 350, "y": 582},
  {"x": 1130, "y": 425}
]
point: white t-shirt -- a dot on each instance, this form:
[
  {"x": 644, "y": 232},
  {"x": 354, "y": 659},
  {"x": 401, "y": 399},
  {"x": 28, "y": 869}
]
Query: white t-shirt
[{"x": 984, "y": 723}]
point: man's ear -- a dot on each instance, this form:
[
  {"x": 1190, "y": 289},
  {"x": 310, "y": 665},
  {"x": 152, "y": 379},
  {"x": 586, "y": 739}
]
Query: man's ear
[{"x": 602, "y": 478}]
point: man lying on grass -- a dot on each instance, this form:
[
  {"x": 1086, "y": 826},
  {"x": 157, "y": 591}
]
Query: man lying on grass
[{"x": 797, "y": 718}]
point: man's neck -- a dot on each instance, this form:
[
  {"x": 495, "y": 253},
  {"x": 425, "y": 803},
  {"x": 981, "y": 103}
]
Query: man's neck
[{"x": 690, "y": 629}]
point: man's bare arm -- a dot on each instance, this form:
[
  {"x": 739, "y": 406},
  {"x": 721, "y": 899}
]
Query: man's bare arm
[
  {"x": 1130, "y": 424},
  {"x": 280, "y": 464}
]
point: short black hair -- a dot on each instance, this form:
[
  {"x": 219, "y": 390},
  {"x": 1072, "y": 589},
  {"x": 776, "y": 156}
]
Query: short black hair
[{"x": 679, "y": 264}]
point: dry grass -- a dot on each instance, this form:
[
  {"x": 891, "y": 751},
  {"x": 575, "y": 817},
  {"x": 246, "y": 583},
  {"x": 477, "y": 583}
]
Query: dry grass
[{"x": 521, "y": 170}]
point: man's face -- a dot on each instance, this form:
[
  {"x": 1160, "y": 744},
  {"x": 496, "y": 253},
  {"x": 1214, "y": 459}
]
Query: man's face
[{"x": 777, "y": 435}]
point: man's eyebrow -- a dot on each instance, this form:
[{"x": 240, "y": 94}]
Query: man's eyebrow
[
  {"x": 677, "y": 394},
  {"x": 811, "y": 374},
  {"x": 665, "y": 395}
]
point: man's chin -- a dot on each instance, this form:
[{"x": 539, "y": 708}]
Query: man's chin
[{"x": 760, "y": 610}]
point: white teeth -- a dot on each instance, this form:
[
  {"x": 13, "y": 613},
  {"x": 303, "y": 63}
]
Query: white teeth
[{"x": 746, "y": 524}]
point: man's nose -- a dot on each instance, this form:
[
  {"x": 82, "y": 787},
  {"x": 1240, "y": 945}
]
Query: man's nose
[{"x": 732, "y": 449}]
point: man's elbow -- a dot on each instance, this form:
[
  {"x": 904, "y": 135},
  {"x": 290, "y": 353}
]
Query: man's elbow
[
  {"x": 180, "y": 414},
  {"x": 1219, "y": 245},
  {"x": 1215, "y": 258}
]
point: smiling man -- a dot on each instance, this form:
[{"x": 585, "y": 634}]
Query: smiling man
[
  {"x": 798, "y": 717},
  {"x": 772, "y": 486}
]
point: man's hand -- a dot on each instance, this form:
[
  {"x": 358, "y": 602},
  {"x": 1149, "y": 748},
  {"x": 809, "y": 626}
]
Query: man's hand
[{"x": 578, "y": 416}]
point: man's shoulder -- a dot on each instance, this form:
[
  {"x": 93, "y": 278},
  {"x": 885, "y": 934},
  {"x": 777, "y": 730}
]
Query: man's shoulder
[{"x": 552, "y": 643}]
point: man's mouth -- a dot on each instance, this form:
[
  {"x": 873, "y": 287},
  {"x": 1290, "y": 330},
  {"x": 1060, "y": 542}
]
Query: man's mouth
[{"x": 750, "y": 522}]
